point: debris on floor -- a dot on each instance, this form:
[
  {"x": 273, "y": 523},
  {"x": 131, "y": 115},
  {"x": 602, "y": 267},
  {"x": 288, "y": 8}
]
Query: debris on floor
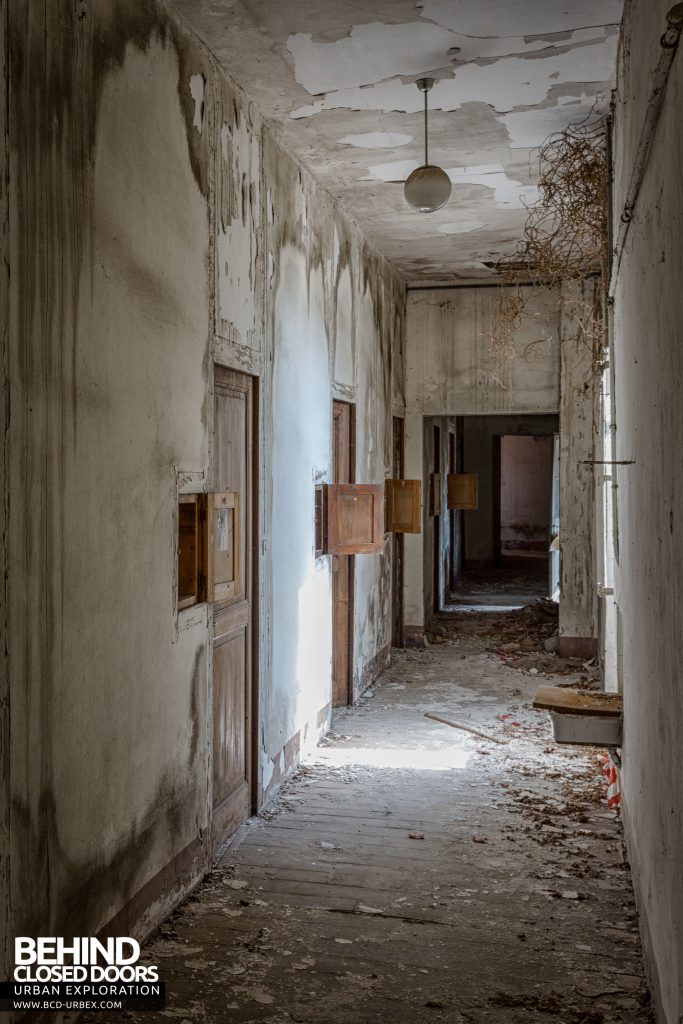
[
  {"x": 526, "y": 639},
  {"x": 411, "y": 873}
]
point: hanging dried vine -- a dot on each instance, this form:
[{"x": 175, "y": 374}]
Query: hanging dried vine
[{"x": 565, "y": 240}]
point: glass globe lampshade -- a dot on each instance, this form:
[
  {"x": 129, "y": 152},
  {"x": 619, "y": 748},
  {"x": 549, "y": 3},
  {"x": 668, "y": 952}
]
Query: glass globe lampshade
[{"x": 427, "y": 189}]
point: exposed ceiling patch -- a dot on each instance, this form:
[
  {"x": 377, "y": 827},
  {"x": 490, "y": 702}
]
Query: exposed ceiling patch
[
  {"x": 338, "y": 81},
  {"x": 528, "y": 129},
  {"x": 376, "y": 140},
  {"x": 368, "y": 54},
  {"x": 532, "y": 18},
  {"x": 507, "y": 83}
]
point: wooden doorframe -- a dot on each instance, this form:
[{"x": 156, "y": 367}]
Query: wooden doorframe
[
  {"x": 436, "y": 559},
  {"x": 255, "y": 702},
  {"x": 397, "y": 539},
  {"x": 497, "y": 493},
  {"x": 228, "y": 381},
  {"x": 460, "y": 468},
  {"x": 346, "y": 562},
  {"x": 452, "y": 513}
]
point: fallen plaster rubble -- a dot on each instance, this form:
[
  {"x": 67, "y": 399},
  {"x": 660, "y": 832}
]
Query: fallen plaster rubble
[{"x": 413, "y": 872}]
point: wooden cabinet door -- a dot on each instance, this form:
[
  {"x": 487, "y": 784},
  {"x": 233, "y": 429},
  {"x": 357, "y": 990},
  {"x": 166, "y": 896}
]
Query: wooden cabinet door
[
  {"x": 404, "y": 506},
  {"x": 463, "y": 491},
  {"x": 355, "y": 519},
  {"x": 230, "y": 553}
]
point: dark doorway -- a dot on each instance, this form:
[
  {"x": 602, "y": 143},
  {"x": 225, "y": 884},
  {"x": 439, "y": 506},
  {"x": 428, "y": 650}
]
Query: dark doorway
[{"x": 503, "y": 545}]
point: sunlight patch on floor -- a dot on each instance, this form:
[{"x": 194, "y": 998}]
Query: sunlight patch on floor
[{"x": 418, "y": 759}]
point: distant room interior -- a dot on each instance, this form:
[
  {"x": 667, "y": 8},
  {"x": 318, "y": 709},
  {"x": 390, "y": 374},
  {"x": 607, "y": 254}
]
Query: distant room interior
[{"x": 504, "y": 544}]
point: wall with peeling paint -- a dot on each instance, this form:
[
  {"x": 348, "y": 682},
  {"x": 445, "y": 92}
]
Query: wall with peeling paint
[
  {"x": 336, "y": 320},
  {"x": 579, "y": 419},
  {"x": 451, "y": 369},
  {"x": 110, "y": 326},
  {"x": 158, "y": 226},
  {"x": 648, "y": 367}
]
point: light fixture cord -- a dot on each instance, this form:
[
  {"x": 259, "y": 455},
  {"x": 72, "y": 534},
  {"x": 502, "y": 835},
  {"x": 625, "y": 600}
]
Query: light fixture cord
[{"x": 426, "y": 142}]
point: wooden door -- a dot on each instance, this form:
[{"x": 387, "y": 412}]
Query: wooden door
[
  {"x": 397, "y": 542},
  {"x": 459, "y": 515},
  {"x": 343, "y": 471},
  {"x": 452, "y": 518},
  {"x": 436, "y": 464},
  {"x": 233, "y": 619}
]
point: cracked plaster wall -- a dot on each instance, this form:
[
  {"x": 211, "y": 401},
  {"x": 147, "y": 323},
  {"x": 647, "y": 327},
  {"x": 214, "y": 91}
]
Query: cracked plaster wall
[
  {"x": 156, "y": 226},
  {"x": 451, "y": 370},
  {"x": 648, "y": 369}
]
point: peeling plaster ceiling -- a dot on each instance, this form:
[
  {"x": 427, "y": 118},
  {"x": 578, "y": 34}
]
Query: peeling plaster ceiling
[{"x": 338, "y": 80}]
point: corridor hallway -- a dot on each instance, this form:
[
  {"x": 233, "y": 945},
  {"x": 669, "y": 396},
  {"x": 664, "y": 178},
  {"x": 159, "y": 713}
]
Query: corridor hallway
[{"x": 414, "y": 872}]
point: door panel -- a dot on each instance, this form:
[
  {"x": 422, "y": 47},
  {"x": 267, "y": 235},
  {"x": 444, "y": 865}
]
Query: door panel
[
  {"x": 232, "y": 554},
  {"x": 229, "y": 715},
  {"x": 397, "y": 542},
  {"x": 452, "y": 519},
  {"x": 555, "y": 556},
  {"x": 436, "y": 553},
  {"x": 342, "y": 565}
]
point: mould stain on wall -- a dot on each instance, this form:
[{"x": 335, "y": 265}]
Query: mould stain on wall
[{"x": 157, "y": 192}]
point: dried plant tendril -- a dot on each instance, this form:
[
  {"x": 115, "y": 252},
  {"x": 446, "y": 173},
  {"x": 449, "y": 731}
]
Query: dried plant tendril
[{"x": 565, "y": 240}]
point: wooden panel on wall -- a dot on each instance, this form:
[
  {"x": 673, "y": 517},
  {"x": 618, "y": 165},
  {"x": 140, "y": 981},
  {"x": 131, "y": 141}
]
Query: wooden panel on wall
[
  {"x": 404, "y": 506},
  {"x": 463, "y": 491},
  {"x": 355, "y": 519},
  {"x": 224, "y": 580}
]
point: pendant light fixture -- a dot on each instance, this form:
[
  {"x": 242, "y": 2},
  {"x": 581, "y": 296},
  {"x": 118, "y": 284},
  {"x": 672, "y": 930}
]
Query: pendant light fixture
[{"x": 428, "y": 187}]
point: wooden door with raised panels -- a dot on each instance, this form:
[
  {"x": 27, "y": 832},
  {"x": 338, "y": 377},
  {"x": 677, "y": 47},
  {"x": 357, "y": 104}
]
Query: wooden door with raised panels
[
  {"x": 230, "y": 515},
  {"x": 343, "y": 471}
]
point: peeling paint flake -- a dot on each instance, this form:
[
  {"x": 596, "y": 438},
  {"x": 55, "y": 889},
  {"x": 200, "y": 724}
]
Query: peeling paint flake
[
  {"x": 197, "y": 84},
  {"x": 504, "y": 84},
  {"x": 528, "y": 129},
  {"x": 541, "y": 17},
  {"x": 376, "y": 140},
  {"x": 226, "y": 135},
  {"x": 237, "y": 240},
  {"x": 368, "y": 54}
]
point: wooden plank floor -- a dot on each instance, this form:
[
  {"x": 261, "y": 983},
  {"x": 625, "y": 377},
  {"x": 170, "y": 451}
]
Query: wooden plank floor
[{"x": 413, "y": 872}]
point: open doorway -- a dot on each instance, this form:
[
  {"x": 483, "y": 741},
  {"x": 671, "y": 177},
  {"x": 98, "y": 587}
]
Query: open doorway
[
  {"x": 524, "y": 496},
  {"x": 503, "y": 545}
]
